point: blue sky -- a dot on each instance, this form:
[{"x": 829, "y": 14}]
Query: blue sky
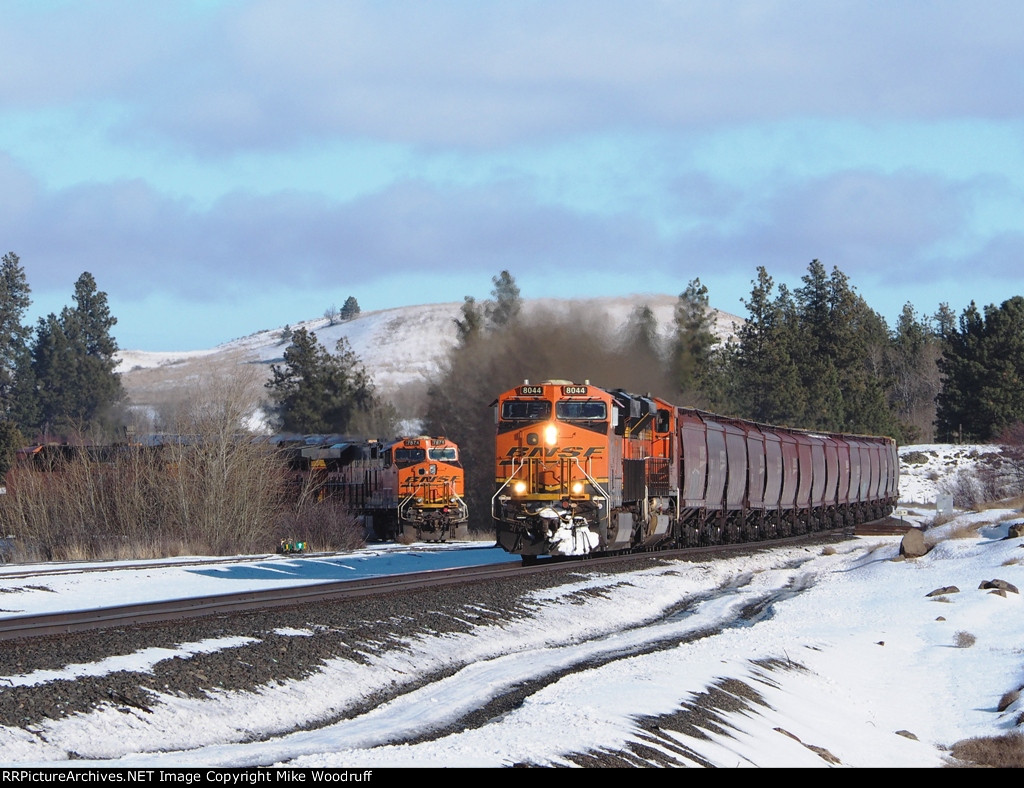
[{"x": 226, "y": 167}]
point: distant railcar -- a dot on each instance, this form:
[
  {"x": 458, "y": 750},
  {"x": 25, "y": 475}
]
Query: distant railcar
[{"x": 580, "y": 470}]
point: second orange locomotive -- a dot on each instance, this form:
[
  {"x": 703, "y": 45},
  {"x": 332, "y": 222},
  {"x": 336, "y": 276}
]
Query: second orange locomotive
[{"x": 409, "y": 486}]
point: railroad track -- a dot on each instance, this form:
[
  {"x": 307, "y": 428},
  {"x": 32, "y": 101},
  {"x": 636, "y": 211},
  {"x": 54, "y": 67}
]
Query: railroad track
[
  {"x": 52, "y": 624},
  {"x": 38, "y": 625},
  {"x": 887, "y": 526}
]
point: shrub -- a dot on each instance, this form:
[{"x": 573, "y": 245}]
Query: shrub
[
  {"x": 208, "y": 487},
  {"x": 1005, "y": 752},
  {"x": 1008, "y": 699},
  {"x": 323, "y": 526},
  {"x": 964, "y": 639}
]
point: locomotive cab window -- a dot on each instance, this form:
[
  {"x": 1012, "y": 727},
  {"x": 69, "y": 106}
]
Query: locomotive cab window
[
  {"x": 525, "y": 410},
  {"x": 409, "y": 456},
  {"x": 581, "y": 410},
  {"x": 446, "y": 454}
]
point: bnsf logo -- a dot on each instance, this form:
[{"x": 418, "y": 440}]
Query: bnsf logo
[
  {"x": 417, "y": 480},
  {"x": 519, "y": 452}
]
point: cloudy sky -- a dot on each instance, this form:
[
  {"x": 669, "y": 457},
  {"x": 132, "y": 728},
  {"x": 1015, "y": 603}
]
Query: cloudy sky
[{"x": 225, "y": 166}]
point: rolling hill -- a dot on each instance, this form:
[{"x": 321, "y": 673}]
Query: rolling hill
[{"x": 402, "y": 349}]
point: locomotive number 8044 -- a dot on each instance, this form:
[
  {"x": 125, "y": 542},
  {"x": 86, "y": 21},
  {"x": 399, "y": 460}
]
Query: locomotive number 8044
[{"x": 580, "y": 469}]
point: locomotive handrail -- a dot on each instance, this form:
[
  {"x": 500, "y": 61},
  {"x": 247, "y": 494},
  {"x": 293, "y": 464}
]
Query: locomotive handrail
[
  {"x": 511, "y": 476},
  {"x": 401, "y": 504},
  {"x": 463, "y": 507},
  {"x": 592, "y": 480}
]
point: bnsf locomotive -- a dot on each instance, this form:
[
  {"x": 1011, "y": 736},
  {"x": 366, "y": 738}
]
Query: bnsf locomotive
[
  {"x": 581, "y": 469},
  {"x": 413, "y": 487}
]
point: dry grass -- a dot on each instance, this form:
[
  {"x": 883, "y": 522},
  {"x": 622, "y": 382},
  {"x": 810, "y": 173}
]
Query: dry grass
[
  {"x": 1001, "y": 752},
  {"x": 877, "y": 547},
  {"x": 964, "y": 639},
  {"x": 967, "y": 530},
  {"x": 1008, "y": 699},
  {"x": 213, "y": 489}
]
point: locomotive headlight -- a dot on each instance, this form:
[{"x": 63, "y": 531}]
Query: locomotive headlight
[
  {"x": 551, "y": 435},
  {"x": 577, "y": 488},
  {"x": 519, "y": 488}
]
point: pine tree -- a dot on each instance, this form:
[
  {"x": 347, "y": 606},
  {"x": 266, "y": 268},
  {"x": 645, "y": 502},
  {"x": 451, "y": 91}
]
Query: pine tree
[
  {"x": 88, "y": 326},
  {"x": 641, "y": 335},
  {"x": 945, "y": 321},
  {"x": 52, "y": 367},
  {"x": 14, "y": 335},
  {"x": 694, "y": 343},
  {"x": 506, "y": 303},
  {"x": 73, "y": 362},
  {"x": 765, "y": 381},
  {"x": 983, "y": 373},
  {"x": 816, "y": 351},
  {"x": 472, "y": 322},
  {"x": 317, "y": 392},
  {"x": 350, "y": 309},
  {"x": 501, "y": 311}
]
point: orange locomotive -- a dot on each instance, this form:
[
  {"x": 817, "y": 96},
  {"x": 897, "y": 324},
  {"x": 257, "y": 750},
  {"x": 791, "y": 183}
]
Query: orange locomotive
[
  {"x": 428, "y": 485},
  {"x": 414, "y": 487},
  {"x": 581, "y": 470}
]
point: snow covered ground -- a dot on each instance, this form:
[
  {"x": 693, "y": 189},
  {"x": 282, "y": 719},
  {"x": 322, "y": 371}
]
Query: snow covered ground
[{"x": 847, "y": 661}]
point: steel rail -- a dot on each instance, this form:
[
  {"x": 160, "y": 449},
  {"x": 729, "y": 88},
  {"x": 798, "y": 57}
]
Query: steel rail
[{"x": 42, "y": 624}]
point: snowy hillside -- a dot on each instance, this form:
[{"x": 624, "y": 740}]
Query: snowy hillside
[
  {"x": 399, "y": 347},
  {"x": 929, "y": 469}
]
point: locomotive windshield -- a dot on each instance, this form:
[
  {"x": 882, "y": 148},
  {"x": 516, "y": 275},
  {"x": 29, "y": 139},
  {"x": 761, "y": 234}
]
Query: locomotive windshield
[
  {"x": 446, "y": 454},
  {"x": 409, "y": 456},
  {"x": 525, "y": 410},
  {"x": 581, "y": 410}
]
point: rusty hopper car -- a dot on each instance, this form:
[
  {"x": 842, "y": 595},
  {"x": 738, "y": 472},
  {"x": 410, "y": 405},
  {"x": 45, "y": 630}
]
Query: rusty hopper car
[
  {"x": 580, "y": 470},
  {"x": 412, "y": 487}
]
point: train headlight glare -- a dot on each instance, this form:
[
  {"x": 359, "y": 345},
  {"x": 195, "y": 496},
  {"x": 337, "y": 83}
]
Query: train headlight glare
[
  {"x": 577, "y": 488},
  {"x": 551, "y": 434},
  {"x": 519, "y": 488}
]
